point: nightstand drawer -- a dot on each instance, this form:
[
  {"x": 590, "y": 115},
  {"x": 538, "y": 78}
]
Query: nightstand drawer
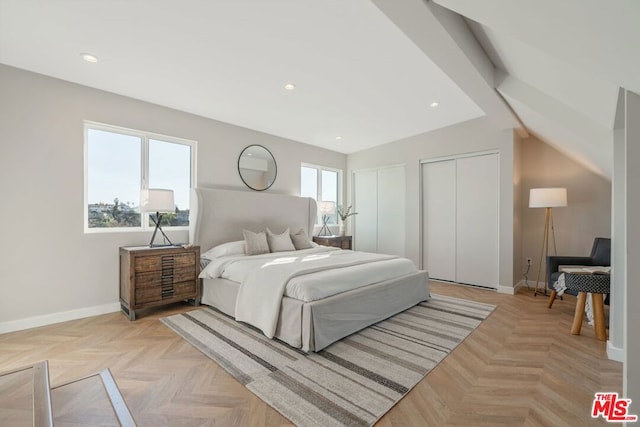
[
  {"x": 184, "y": 288},
  {"x": 162, "y": 262},
  {"x": 155, "y": 278},
  {"x": 147, "y": 295}
]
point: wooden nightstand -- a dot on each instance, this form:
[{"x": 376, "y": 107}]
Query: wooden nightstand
[
  {"x": 343, "y": 242},
  {"x": 151, "y": 277}
]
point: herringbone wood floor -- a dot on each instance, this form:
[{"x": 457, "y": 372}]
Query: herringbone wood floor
[{"x": 521, "y": 367}]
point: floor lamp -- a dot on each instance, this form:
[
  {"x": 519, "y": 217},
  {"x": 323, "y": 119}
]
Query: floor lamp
[{"x": 547, "y": 198}]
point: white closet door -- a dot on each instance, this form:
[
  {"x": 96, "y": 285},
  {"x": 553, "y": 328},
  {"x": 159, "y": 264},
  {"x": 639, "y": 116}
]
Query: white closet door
[
  {"x": 477, "y": 220},
  {"x": 439, "y": 219},
  {"x": 391, "y": 210},
  {"x": 365, "y": 191}
]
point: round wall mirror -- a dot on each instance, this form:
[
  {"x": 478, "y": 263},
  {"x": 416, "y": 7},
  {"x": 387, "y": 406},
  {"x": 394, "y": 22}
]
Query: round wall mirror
[{"x": 257, "y": 167}]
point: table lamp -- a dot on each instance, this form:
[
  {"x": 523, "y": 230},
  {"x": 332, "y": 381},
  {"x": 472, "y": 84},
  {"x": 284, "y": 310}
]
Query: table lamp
[{"x": 157, "y": 200}]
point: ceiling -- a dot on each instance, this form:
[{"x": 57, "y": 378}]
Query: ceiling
[
  {"x": 357, "y": 75},
  {"x": 364, "y": 70}
]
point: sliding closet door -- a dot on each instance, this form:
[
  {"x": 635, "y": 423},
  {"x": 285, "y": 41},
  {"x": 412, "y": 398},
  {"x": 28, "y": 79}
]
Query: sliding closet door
[
  {"x": 460, "y": 200},
  {"x": 391, "y": 210},
  {"x": 439, "y": 219},
  {"x": 477, "y": 220},
  {"x": 365, "y": 191}
]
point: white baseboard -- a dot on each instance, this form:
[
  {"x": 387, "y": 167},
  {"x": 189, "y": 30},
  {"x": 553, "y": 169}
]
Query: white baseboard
[
  {"x": 63, "y": 316},
  {"x": 615, "y": 353},
  {"x": 510, "y": 290}
]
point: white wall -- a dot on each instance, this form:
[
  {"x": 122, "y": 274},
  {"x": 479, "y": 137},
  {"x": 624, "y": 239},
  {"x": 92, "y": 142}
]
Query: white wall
[
  {"x": 47, "y": 264},
  {"x": 472, "y": 136},
  {"x": 631, "y": 370},
  {"x": 615, "y": 344}
]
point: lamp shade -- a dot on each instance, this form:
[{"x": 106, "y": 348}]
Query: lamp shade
[
  {"x": 156, "y": 200},
  {"x": 327, "y": 208},
  {"x": 547, "y": 197}
]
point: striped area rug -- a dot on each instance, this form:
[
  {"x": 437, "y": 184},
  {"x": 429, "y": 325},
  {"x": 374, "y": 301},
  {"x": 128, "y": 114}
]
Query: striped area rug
[{"x": 354, "y": 381}]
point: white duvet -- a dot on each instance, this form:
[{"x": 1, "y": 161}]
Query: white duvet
[{"x": 307, "y": 275}]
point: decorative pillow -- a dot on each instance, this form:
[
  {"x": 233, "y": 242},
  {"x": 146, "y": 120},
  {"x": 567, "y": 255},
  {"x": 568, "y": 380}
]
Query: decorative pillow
[
  {"x": 301, "y": 241},
  {"x": 225, "y": 249},
  {"x": 280, "y": 242},
  {"x": 256, "y": 242}
]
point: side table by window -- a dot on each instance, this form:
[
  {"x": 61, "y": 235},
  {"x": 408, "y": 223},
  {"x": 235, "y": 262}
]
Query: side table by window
[
  {"x": 343, "y": 242},
  {"x": 150, "y": 277}
]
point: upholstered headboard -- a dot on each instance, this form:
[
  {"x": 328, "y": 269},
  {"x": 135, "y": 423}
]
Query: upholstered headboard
[{"x": 218, "y": 216}]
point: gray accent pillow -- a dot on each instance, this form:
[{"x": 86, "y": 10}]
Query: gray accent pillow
[
  {"x": 280, "y": 242},
  {"x": 300, "y": 240},
  {"x": 256, "y": 242}
]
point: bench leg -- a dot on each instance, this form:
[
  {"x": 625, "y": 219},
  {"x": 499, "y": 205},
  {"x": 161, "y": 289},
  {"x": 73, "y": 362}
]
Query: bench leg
[
  {"x": 579, "y": 315},
  {"x": 598, "y": 317},
  {"x": 552, "y": 298}
]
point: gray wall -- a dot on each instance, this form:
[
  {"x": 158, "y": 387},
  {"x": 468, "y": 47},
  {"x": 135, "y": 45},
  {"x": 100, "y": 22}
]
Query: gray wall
[
  {"x": 472, "y": 136},
  {"x": 48, "y": 265},
  {"x": 587, "y": 215}
]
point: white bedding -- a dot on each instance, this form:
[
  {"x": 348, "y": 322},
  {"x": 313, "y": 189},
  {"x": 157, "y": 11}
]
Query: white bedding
[{"x": 307, "y": 275}]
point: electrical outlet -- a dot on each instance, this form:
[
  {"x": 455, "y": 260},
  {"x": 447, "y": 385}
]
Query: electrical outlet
[{"x": 529, "y": 260}]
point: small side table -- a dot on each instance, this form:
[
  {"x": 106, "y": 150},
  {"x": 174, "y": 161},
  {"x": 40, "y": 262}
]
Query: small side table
[
  {"x": 597, "y": 285},
  {"x": 155, "y": 276},
  {"x": 343, "y": 242}
]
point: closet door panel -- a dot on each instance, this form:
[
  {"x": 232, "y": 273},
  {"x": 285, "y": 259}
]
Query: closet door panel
[
  {"x": 365, "y": 191},
  {"x": 439, "y": 219},
  {"x": 477, "y": 220},
  {"x": 391, "y": 210}
]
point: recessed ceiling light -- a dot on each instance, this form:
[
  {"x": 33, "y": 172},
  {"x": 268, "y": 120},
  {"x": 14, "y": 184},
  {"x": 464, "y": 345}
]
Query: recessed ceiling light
[
  {"x": 89, "y": 57},
  {"x": 338, "y": 137},
  {"x": 434, "y": 104},
  {"x": 289, "y": 86}
]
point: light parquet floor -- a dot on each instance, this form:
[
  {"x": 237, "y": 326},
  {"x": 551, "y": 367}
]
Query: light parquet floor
[{"x": 521, "y": 367}]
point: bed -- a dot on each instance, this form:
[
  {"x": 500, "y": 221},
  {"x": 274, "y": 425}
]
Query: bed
[{"x": 219, "y": 216}]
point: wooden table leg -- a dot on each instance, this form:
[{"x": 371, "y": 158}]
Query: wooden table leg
[
  {"x": 598, "y": 317},
  {"x": 552, "y": 298},
  {"x": 579, "y": 315}
]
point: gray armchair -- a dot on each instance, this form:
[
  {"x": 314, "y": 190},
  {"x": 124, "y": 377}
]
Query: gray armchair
[{"x": 600, "y": 256}]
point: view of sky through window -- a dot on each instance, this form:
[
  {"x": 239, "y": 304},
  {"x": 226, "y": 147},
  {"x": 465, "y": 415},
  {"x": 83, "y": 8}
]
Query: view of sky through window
[
  {"x": 170, "y": 167},
  {"x": 113, "y": 167},
  {"x": 115, "y": 177}
]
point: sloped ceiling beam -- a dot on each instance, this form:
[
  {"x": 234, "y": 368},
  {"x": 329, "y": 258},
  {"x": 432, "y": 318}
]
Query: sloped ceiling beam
[
  {"x": 447, "y": 40},
  {"x": 583, "y": 139},
  {"x": 596, "y": 35}
]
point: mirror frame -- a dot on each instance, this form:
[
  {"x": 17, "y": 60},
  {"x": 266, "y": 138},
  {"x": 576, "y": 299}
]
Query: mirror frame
[{"x": 275, "y": 165}]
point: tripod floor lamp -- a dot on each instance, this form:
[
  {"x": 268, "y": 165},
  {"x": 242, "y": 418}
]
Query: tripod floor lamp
[{"x": 547, "y": 198}]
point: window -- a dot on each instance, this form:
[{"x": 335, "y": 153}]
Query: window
[
  {"x": 120, "y": 162},
  {"x": 322, "y": 184}
]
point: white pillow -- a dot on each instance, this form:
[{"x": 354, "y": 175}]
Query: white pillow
[
  {"x": 225, "y": 249},
  {"x": 256, "y": 242},
  {"x": 280, "y": 242},
  {"x": 301, "y": 241}
]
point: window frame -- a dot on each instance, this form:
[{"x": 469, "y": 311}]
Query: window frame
[
  {"x": 319, "y": 170},
  {"x": 144, "y": 172}
]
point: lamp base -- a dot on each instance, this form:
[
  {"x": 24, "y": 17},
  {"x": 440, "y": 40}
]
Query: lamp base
[
  {"x": 153, "y": 237},
  {"x": 324, "y": 231}
]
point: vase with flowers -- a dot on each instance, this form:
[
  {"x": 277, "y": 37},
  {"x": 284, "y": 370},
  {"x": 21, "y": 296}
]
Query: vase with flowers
[{"x": 344, "y": 213}]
